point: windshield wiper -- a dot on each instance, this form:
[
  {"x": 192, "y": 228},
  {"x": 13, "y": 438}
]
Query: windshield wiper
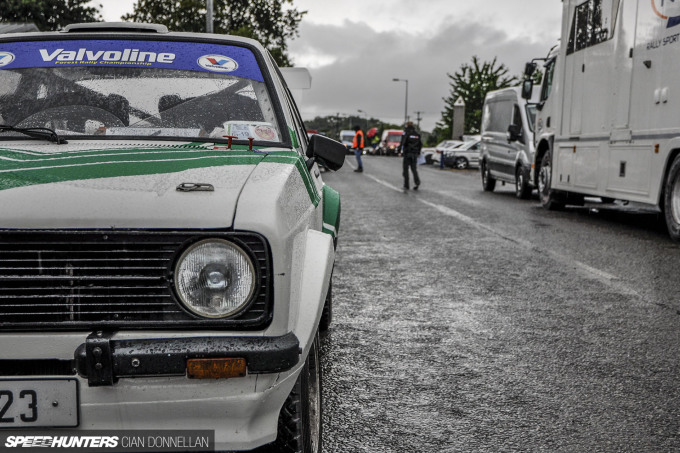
[{"x": 35, "y": 132}]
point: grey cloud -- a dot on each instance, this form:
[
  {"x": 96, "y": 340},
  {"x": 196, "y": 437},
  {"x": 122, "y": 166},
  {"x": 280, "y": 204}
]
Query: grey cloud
[{"x": 366, "y": 61}]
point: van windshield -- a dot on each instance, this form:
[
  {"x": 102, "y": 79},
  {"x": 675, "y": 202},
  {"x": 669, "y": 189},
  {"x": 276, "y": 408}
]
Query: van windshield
[{"x": 153, "y": 96}]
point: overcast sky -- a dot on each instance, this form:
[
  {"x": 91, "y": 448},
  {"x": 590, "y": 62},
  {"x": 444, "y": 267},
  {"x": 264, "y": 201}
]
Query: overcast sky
[{"x": 354, "y": 48}]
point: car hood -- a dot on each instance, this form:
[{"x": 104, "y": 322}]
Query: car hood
[{"x": 124, "y": 185}]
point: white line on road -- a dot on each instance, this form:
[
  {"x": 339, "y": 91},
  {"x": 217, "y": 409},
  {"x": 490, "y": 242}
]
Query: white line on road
[{"x": 608, "y": 279}]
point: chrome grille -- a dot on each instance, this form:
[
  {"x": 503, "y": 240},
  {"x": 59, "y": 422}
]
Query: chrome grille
[{"x": 110, "y": 279}]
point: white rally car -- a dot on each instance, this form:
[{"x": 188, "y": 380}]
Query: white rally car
[{"x": 166, "y": 239}]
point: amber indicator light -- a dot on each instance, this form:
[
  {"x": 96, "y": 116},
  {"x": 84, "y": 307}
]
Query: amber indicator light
[
  {"x": 216, "y": 368},
  {"x": 656, "y": 149}
]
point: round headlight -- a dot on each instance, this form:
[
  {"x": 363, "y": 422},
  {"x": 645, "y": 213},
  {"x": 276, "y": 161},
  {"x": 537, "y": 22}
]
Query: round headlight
[{"x": 214, "y": 278}]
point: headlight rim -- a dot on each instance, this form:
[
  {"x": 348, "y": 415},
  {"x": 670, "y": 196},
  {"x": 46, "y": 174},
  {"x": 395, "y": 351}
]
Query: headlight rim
[{"x": 254, "y": 290}]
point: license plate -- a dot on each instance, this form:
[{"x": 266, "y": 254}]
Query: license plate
[{"x": 38, "y": 403}]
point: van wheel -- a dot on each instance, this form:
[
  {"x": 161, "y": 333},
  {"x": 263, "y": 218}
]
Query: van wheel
[
  {"x": 671, "y": 205},
  {"x": 522, "y": 187},
  {"x": 327, "y": 315},
  {"x": 300, "y": 426},
  {"x": 461, "y": 163},
  {"x": 488, "y": 181},
  {"x": 549, "y": 199}
]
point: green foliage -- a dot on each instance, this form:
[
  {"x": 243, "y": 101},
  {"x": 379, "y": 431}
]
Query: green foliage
[
  {"x": 471, "y": 82},
  {"x": 264, "y": 20},
  {"x": 49, "y": 15}
]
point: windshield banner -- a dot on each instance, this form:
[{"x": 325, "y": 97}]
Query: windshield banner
[{"x": 190, "y": 56}]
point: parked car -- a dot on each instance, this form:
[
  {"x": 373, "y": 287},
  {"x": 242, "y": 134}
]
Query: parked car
[
  {"x": 508, "y": 140},
  {"x": 463, "y": 156},
  {"x": 427, "y": 154},
  {"x": 166, "y": 238},
  {"x": 443, "y": 146}
]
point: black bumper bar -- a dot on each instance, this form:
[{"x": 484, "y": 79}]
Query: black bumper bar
[{"x": 103, "y": 360}]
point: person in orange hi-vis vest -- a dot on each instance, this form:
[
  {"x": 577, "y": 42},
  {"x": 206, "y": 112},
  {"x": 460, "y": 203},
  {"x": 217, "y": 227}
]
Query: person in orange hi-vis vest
[{"x": 358, "y": 146}]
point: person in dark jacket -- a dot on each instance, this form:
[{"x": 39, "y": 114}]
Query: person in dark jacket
[{"x": 410, "y": 146}]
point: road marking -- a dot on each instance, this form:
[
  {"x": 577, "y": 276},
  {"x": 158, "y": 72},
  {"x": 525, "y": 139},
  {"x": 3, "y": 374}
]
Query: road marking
[{"x": 590, "y": 272}]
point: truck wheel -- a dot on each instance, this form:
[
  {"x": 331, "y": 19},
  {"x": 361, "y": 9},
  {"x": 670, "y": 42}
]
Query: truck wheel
[
  {"x": 671, "y": 205},
  {"x": 327, "y": 314},
  {"x": 461, "y": 163},
  {"x": 549, "y": 199},
  {"x": 488, "y": 181},
  {"x": 300, "y": 426},
  {"x": 522, "y": 187}
]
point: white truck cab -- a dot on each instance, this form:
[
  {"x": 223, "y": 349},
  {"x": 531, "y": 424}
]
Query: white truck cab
[{"x": 613, "y": 107}]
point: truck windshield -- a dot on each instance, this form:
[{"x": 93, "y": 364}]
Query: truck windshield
[{"x": 153, "y": 96}]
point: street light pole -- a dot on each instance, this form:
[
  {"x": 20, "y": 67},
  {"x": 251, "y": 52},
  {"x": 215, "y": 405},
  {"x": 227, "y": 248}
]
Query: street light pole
[
  {"x": 209, "y": 17},
  {"x": 365, "y": 116},
  {"x": 406, "y": 99}
]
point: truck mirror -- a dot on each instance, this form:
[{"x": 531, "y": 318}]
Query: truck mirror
[
  {"x": 527, "y": 88},
  {"x": 327, "y": 151},
  {"x": 529, "y": 69}
]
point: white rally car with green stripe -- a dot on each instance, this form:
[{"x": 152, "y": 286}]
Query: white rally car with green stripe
[{"x": 166, "y": 239}]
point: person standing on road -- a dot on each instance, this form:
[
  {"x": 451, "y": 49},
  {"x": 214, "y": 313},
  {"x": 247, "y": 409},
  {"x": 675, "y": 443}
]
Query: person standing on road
[
  {"x": 358, "y": 147},
  {"x": 410, "y": 146}
]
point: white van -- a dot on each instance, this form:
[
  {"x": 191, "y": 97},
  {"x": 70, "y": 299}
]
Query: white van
[{"x": 507, "y": 149}]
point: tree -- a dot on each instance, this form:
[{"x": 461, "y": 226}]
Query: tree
[
  {"x": 49, "y": 15},
  {"x": 472, "y": 82},
  {"x": 263, "y": 20}
]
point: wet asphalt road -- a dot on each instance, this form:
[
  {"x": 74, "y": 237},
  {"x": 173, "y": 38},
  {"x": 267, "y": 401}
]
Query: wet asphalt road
[{"x": 472, "y": 321}]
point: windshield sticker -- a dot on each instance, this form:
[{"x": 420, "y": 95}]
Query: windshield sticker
[
  {"x": 6, "y": 58},
  {"x": 191, "y": 56},
  {"x": 218, "y": 63}
]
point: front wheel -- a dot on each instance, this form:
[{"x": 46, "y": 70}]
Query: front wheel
[
  {"x": 671, "y": 203},
  {"x": 488, "y": 181},
  {"x": 461, "y": 163},
  {"x": 300, "y": 426},
  {"x": 522, "y": 187},
  {"x": 549, "y": 199}
]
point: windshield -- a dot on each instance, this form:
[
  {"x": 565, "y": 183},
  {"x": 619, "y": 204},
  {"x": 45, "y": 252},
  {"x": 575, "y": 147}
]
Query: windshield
[
  {"x": 136, "y": 89},
  {"x": 394, "y": 138},
  {"x": 531, "y": 115}
]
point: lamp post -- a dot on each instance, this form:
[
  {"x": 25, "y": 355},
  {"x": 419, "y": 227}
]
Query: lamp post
[
  {"x": 365, "y": 116},
  {"x": 209, "y": 16},
  {"x": 406, "y": 99}
]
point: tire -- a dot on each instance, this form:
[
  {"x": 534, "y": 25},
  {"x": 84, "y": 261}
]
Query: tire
[
  {"x": 488, "y": 181},
  {"x": 522, "y": 187},
  {"x": 327, "y": 314},
  {"x": 300, "y": 426},
  {"x": 428, "y": 159},
  {"x": 549, "y": 199},
  {"x": 671, "y": 204},
  {"x": 461, "y": 163}
]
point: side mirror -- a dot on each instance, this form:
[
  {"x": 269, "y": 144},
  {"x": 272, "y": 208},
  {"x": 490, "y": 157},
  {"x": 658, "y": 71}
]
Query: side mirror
[
  {"x": 527, "y": 88},
  {"x": 529, "y": 69},
  {"x": 327, "y": 151},
  {"x": 514, "y": 133}
]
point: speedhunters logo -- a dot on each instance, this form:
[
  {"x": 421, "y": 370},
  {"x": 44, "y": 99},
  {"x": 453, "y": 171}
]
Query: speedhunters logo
[
  {"x": 667, "y": 10},
  {"x": 217, "y": 63}
]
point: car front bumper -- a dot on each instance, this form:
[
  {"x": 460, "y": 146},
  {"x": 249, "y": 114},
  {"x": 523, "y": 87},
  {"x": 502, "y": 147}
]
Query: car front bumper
[{"x": 141, "y": 383}]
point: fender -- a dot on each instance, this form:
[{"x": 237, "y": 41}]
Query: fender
[
  {"x": 331, "y": 211},
  {"x": 310, "y": 280}
]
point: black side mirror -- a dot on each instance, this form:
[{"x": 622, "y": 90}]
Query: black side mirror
[
  {"x": 529, "y": 69},
  {"x": 527, "y": 88},
  {"x": 327, "y": 151},
  {"x": 514, "y": 133}
]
